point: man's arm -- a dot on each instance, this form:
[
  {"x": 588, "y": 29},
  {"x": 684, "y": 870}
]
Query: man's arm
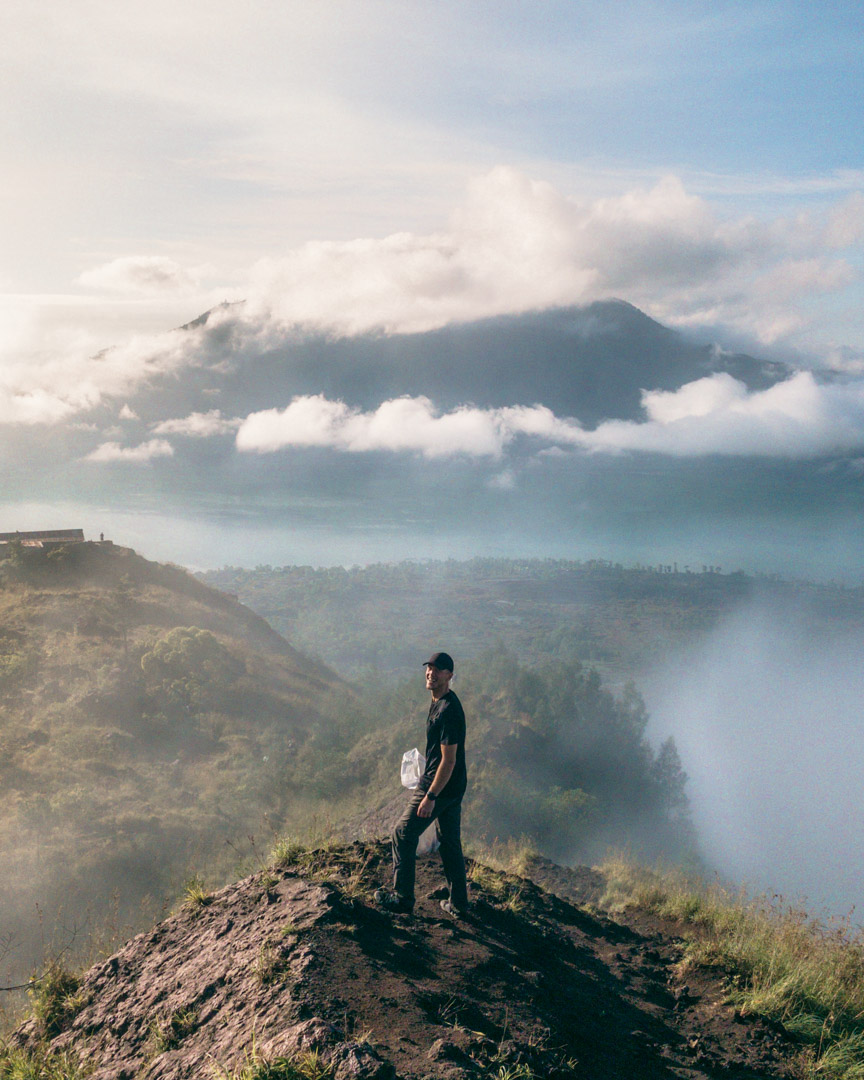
[{"x": 442, "y": 774}]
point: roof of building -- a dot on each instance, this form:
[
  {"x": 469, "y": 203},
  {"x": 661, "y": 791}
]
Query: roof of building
[{"x": 57, "y": 536}]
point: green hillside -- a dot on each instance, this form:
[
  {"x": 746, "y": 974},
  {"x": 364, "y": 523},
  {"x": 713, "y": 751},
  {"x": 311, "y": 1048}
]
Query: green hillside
[
  {"x": 151, "y": 725},
  {"x": 621, "y": 620},
  {"x": 145, "y": 720}
]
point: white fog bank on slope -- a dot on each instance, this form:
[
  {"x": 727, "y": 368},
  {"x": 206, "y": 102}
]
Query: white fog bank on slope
[{"x": 768, "y": 718}]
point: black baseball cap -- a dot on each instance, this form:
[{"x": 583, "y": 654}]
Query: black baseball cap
[{"x": 441, "y": 660}]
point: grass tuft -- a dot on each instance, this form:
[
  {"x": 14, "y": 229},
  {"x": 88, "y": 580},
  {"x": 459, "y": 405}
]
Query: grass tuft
[
  {"x": 195, "y": 894},
  {"x": 41, "y": 1064},
  {"x": 167, "y": 1032},
  {"x": 271, "y": 962},
  {"x": 286, "y": 852},
  {"x": 307, "y": 1065},
  {"x": 779, "y": 963},
  {"x": 56, "y": 998},
  {"x": 502, "y": 888}
]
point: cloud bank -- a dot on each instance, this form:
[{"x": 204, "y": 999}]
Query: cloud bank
[
  {"x": 68, "y": 376},
  {"x": 514, "y": 245},
  {"x": 517, "y": 245},
  {"x": 798, "y": 418}
]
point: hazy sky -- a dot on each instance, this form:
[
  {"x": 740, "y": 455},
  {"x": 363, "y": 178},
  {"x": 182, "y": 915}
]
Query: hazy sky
[
  {"x": 374, "y": 167},
  {"x": 153, "y": 154}
]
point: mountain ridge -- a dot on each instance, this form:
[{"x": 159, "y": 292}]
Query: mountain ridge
[
  {"x": 590, "y": 362},
  {"x": 295, "y": 964}
]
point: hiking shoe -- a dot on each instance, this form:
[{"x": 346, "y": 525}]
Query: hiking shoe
[
  {"x": 451, "y": 909},
  {"x": 392, "y": 901}
]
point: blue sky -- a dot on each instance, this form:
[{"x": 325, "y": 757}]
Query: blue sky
[{"x": 211, "y": 134}]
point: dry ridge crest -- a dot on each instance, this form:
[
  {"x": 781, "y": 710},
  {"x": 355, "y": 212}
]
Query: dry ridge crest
[{"x": 294, "y": 973}]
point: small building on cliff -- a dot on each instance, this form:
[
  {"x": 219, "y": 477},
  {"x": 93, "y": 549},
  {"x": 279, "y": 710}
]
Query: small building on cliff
[{"x": 47, "y": 538}]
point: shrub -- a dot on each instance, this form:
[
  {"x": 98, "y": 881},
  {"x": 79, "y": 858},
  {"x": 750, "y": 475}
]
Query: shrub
[{"x": 57, "y": 999}]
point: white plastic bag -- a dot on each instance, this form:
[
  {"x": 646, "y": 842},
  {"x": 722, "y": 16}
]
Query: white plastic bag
[{"x": 413, "y": 766}]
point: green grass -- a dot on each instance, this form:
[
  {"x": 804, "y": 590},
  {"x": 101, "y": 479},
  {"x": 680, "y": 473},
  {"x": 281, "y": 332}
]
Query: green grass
[
  {"x": 18, "y": 1064},
  {"x": 500, "y": 887},
  {"x": 195, "y": 894},
  {"x": 778, "y": 963},
  {"x": 287, "y": 852},
  {"x": 308, "y": 1065},
  {"x": 167, "y": 1032},
  {"x": 515, "y": 1072},
  {"x": 329, "y": 862},
  {"x": 56, "y": 999},
  {"x": 270, "y": 963}
]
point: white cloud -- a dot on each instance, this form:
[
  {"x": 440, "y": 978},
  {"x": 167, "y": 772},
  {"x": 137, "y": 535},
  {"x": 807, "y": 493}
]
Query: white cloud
[
  {"x": 514, "y": 245},
  {"x": 49, "y": 379},
  {"x": 126, "y": 413},
  {"x": 198, "y": 425},
  {"x": 135, "y": 455},
  {"x": 518, "y": 244},
  {"x": 798, "y": 418},
  {"x": 139, "y": 275},
  {"x": 403, "y": 424}
]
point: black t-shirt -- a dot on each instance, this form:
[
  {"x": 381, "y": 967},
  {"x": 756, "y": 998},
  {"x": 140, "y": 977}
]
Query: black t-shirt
[{"x": 445, "y": 724}]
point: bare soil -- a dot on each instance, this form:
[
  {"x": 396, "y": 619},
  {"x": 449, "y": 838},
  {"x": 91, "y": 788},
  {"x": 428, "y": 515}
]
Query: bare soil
[{"x": 301, "y": 958}]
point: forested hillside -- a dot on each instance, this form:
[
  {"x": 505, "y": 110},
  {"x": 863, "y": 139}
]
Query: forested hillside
[
  {"x": 150, "y": 725},
  {"x": 619, "y": 619}
]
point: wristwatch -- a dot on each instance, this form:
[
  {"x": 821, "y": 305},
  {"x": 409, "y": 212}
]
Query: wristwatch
[{"x": 429, "y": 795}]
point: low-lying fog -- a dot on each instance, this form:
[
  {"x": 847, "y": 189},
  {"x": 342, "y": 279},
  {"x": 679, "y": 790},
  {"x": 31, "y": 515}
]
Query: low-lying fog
[{"x": 768, "y": 716}]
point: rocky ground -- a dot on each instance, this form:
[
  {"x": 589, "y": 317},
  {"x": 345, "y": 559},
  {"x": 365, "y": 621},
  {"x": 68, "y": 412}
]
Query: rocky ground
[{"x": 532, "y": 984}]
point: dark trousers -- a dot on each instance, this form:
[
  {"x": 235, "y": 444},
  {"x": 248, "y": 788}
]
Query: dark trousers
[{"x": 447, "y": 816}]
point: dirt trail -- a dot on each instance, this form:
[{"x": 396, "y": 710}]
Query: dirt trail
[{"x": 301, "y": 958}]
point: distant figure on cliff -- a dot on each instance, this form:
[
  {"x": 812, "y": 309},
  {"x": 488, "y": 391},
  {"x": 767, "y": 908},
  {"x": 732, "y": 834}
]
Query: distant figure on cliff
[{"x": 438, "y": 798}]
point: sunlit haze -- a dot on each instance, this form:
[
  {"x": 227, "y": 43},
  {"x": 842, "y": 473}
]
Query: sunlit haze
[{"x": 346, "y": 282}]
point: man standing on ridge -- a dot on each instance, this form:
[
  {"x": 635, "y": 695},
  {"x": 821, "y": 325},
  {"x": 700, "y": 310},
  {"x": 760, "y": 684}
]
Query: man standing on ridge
[{"x": 438, "y": 798}]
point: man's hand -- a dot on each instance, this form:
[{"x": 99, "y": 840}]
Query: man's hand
[{"x": 442, "y": 774}]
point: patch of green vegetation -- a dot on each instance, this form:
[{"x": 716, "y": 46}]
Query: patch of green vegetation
[
  {"x": 287, "y": 852},
  {"x": 195, "y": 894},
  {"x": 779, "y": 963},
  {"x": 271, "y": 963},
  {"x": 167, "y": 1032},
  {"x": 501, "y": 888},
  {"x": 115, "y": 777},
  {"x": 347, "y": 867},
  {"x": 614, "y": 616},
  {"x": 56, "y": 998},
  {"x": 515, "y": 1072},
  {"x": 309, "y": 1065},
  {"x": 17, "y": 1064}
]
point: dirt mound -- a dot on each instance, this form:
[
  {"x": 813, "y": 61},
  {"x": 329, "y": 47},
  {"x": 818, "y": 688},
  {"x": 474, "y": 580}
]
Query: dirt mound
[{"x": 299, "y": 959}]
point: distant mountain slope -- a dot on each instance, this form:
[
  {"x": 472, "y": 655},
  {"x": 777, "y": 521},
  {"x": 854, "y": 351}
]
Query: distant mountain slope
[
  {"x": 296, "y": 964},
  {"x": 587, "y": 362}
]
